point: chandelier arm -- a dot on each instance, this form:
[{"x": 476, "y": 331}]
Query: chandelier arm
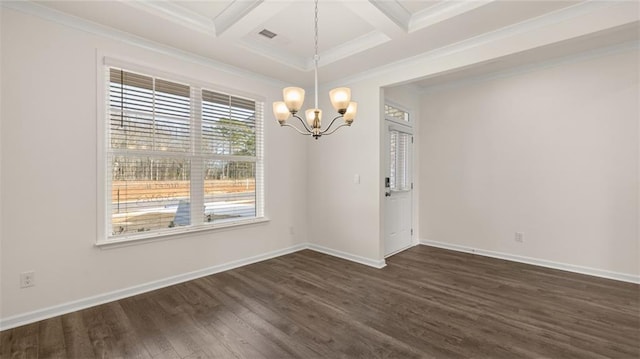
[
  {"x": 313, "y": 129},
  {"x": 295, "y": 128},
  {"x": 331, "y": 124},
  {"x": 303, "y": 123},
  {"x": 336, "y": 129}
]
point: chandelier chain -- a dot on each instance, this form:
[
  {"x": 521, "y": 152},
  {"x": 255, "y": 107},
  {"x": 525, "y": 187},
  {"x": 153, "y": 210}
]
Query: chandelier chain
[
  {"x": 316, "y": 57},
  {"x": 294, "y": 97},
  {"x": 316, "y": 31}
]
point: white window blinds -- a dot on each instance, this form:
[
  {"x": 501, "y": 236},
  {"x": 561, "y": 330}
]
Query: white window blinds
[
  {"x": 399, "y": 142},
  {"x": 179, "y": 157},
  {"x": 231, "y": 141}
]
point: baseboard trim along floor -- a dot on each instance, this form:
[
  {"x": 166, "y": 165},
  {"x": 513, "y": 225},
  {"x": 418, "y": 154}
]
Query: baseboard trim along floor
[
  {"x": 41, "y": 314},
  {"x": 427, "y": 302},
  {"x": 534, "y": 261},
  {"x": 50, "y": 312}
]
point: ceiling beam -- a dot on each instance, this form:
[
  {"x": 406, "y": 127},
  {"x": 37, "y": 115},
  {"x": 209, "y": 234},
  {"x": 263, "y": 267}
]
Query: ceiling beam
[
  {"x": 441, "y": 12},
  {"x": 236, "y": 26},
  {"x": 394, "y": 11},
  {"x": 378, "y": 18},
  {"x": 233, "y": 13},
  {"x": 176, "y": 14}
]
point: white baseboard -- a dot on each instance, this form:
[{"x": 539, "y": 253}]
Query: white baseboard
[
  {"x": 50, "y": 312},
  {"x": 624, "y": 277},
  {"x": 348, "y": 256},
  {"x": 37, "y": 315}
]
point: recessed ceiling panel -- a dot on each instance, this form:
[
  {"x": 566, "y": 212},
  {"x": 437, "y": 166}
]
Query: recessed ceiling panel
[
  {"x": 355, "y": 35},
  {"x": 414, "y": 6},
  {"x": 294, "y": 29},
  {"x": 209, "y": 9}
]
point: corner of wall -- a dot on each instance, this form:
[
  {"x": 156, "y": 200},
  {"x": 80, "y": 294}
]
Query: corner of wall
[{"x": 343, "y": 212}]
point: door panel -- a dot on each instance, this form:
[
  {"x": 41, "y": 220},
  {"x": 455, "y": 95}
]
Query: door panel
[
  {"x": 398, "y": 191},
  {"x": 398, "y": 222}
]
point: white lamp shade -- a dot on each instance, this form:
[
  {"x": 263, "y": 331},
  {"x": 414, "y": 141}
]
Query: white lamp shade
[
  {"x": 340, "y": 98},
  {"x": 293, "y": 98},
  {"x": 280, "y": 111},
  {"x": 311, "y": 116},
  {"x": 350, "y": 115}
]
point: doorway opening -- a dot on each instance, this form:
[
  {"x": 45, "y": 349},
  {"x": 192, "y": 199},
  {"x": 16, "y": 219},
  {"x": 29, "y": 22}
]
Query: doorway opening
[{"x": 398, "y": 182}]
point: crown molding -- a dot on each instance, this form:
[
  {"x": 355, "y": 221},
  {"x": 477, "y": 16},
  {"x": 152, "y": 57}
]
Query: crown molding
[
  {"x": 427, "y": 17},
  {"x": 527, "y": 68},
  {"x": 527, "y": 26},
  {"x": 193, "y": 20},
  {"x": 286, "y": 58},
  {"x": 304, "y": 63},
  {"x": 394, "y": 11},
  {"x": 239, "y": 30},
  {"x": 59, "y": 17},
  {"x": 441, "y": 12},
  {"x": 351, "y": 47},
  {"x": 233, "y": 13},
  {"x": 176, "y": 14}
]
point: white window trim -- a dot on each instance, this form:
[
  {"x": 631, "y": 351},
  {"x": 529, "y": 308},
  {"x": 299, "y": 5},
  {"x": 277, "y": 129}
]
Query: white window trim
[
  {"x": 404, "y": 127},
  {"x": 409, "y": 131},
  {"x": 402, "y": 108},
  {"x": 231, "y": 225},
  {"x": 102, "y": 238}
]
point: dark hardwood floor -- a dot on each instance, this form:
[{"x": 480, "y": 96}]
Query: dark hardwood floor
[{"x": 427, "y": 302}]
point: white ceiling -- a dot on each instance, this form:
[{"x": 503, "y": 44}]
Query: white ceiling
[{"x": 355, "y": 35}]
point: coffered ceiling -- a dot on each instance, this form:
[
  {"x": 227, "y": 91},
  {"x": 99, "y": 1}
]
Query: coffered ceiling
[{"x": 355, "y": 35}]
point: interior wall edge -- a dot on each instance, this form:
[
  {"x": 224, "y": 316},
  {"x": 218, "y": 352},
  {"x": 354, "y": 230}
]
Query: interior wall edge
[
  {"x": 379, "y": 263},
  {"x": 595, "y": 272}
]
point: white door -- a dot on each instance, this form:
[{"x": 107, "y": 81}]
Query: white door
[{"x": 398, "y": 189}]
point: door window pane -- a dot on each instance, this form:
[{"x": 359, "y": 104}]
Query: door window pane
[{"x": 399, "y": 143}]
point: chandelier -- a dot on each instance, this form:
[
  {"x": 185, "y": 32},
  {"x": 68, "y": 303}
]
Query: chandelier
[{"x": 294, "y": 97}]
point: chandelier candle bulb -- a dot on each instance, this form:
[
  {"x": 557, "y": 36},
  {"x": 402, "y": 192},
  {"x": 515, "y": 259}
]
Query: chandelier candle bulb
[
  {"x": 340, "y": 98},
  {"x": 280, "y": 111},
  {"x": 293, "y": 98},
  {"x": 312, "y": 124},
  {"x": 351, "y": 112}
]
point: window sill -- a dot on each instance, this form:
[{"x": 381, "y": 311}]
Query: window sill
[{"x": 155, "y": 237}]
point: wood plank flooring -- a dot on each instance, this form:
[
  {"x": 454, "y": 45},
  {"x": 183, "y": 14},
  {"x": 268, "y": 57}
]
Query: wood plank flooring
[{"x": 427, "y": 303}]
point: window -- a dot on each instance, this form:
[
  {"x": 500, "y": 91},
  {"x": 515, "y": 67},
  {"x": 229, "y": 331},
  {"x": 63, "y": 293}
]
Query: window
[
  {"x": 399, "y": 142},
  {"x": 179, "y": 157},
  {"x": 393, "y": 113}
]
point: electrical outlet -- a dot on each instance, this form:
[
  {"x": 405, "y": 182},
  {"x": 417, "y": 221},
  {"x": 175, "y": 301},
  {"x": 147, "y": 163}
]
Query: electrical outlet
[
  {"x": 27, "y": 279},
  {"x": 519, "y": 237}
]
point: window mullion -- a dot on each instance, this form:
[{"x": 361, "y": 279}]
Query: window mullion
[{"x": 197, "y": 161}]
